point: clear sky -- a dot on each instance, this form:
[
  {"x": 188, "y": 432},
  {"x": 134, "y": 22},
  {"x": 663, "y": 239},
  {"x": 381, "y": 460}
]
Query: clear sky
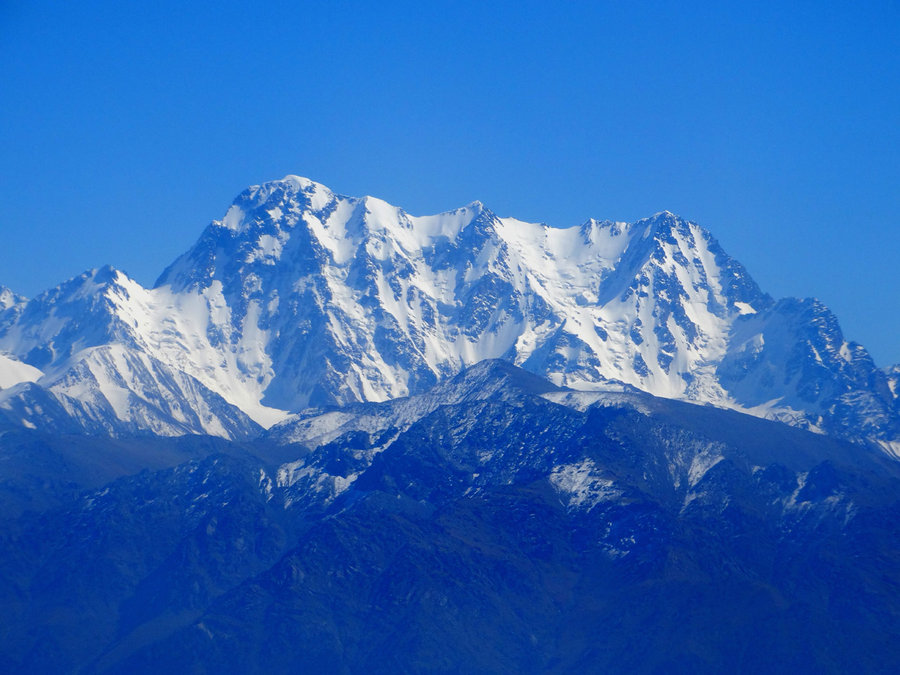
[{"x": 125, "y": 127}]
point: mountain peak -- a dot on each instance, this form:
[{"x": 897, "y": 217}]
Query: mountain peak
[
  {"x": 88, "y": 285},
  {"x": 108, "y": 275},
  {"x": 8, "y": 298},
  {"x": 493, "y": 374},
  {"x": 666, "y": 221},
  {"x": 302, "y": 183}
]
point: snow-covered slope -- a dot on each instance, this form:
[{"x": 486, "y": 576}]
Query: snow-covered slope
[
  {"x": 303, "y": 297},
  {"x": 893, "y": 376},
  {"x": 13, "y": 371},
  {"x": 117, "y": 359},
  {"x": 793, "y": 362}
]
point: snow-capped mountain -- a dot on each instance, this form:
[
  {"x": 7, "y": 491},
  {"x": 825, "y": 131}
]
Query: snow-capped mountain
[
  {"x": 397, "y": 302},
  {"x": 97, "y": 347},
  {"x": 303, "y": 297}
]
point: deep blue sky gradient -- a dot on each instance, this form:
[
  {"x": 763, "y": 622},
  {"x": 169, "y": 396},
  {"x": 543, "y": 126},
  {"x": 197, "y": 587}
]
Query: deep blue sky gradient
[{"x": 126, "y": 127}]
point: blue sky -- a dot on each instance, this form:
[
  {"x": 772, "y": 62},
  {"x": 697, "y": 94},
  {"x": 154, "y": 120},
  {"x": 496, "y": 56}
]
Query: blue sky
[{"x": 126, "y": 127}]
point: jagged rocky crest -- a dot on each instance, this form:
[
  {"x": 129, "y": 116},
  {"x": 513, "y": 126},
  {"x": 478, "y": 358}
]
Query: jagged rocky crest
[{"x": 300, "y": 297}]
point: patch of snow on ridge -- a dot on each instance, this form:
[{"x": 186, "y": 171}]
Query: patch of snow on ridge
[
  {"x": 891, "y": 448},
  {"x": 581, "y": 485},
  {"x": 702, "y": 462}
]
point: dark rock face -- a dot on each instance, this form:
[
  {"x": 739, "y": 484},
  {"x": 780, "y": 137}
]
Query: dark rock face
[{"x": 501, "y": 525}]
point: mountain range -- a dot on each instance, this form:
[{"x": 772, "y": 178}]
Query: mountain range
[
  {"x": 497, "y": 523},
  {"x": 300, "y": 298},
  {"x": 335, "y": 437}
]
